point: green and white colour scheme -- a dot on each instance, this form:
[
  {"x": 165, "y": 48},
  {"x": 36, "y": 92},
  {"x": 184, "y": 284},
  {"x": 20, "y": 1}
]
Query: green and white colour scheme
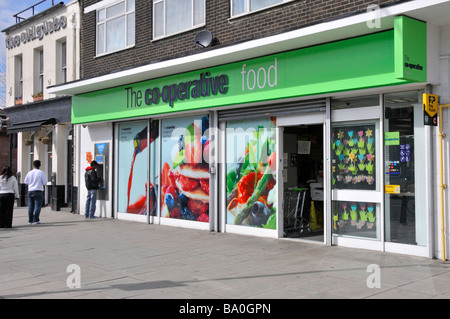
[
  {"x": 338, "y": 92},
  {"x": 386, "y": 58}
]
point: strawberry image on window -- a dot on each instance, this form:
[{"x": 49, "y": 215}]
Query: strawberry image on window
[{"x": 185, "y": 181}]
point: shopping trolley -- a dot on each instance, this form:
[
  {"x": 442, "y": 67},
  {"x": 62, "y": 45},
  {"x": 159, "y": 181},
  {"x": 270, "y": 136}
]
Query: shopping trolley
[{"x": 294, "y": 205}]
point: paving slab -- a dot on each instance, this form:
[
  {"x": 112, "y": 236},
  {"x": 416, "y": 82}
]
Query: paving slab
[{"x": 131, "y": 260}]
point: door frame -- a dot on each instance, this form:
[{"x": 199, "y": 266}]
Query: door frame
[
  {"x": 355, "y": 115},
  {"x": 318, "y": 118}
]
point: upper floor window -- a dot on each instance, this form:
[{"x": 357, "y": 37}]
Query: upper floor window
[
  {"x": 39, "y": 59},
  {"x": 115, "y": 26},
  {"x": 63, "y": 59},
  {"x": 174, "y": 16},
  {"x": 239, "y": 7},
  {"x": 18, "y": 77}
]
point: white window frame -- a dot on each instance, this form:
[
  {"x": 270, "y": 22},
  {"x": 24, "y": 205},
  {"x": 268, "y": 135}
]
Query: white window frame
[
  {"x": 63, "y": 61},
  {"x": 39, "y": 70},
  {"x": 250, "y": 11},
  {"x": 19, "y": 75},
  {"x": 103, "y": 6},
  {"x": 192, "y": 26}
]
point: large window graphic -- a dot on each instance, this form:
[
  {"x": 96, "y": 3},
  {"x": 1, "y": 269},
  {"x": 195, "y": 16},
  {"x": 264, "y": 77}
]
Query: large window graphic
[
  {"x": 251, "y": 169},
  {"x": 133, "y": 188},
  {"x": 185, "y": 169}
]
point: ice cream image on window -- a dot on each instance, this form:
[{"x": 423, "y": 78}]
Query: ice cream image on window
[{"x": 140, "y": 142}]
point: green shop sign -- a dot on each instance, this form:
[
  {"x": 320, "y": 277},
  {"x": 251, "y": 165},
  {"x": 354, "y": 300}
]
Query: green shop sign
[{"x": 391, "y": 57}]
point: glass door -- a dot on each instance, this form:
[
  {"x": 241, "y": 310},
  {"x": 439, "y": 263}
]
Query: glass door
[
  {"x": 356, "y": 180},
  {"x": 405, "y": 148},
  {"x": 303, "y": 178}
]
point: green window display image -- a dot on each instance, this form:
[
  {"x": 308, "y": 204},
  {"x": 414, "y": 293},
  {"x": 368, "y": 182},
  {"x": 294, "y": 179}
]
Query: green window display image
[
  {"x": 251, "y": 168},
  {"x": 353, "y": 154}
]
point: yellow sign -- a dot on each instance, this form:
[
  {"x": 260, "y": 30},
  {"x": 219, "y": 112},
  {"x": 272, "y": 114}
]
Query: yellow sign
[
  {"x": 430, "y": 104},
  {"x": 392, "y": 189}
]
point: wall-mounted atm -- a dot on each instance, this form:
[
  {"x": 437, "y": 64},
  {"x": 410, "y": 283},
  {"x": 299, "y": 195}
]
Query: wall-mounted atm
[{"x": 101, "y": 156}]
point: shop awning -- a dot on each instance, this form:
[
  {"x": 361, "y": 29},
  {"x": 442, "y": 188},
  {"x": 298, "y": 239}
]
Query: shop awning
[
  {"x": 32, "y": 116},
  {"x": 30, "y": 125}
]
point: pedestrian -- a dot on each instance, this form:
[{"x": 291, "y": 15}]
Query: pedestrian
[
  {"x": 9, "y": 190},
  {"x": 92, "y": 184},
  {"x": 36, "y": 181}
]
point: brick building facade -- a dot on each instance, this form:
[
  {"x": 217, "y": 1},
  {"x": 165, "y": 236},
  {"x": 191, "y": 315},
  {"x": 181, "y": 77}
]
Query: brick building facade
[{"x": 276, "y": 20}]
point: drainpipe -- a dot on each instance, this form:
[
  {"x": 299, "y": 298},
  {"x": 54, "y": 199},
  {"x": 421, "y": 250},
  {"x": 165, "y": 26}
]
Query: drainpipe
[{"x": 442, "y": 185}]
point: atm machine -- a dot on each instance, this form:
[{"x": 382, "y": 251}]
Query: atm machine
[{"x": 101, "y": 156}]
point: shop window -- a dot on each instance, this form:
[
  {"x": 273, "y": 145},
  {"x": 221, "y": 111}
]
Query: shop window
[
  {"x": 132, "y": 169},
  {"x": 358, "y": 219},
  {"x": 353, "y": 149},
  {"x": 174, "y": 16},
  {"x": 251, "y": 173},
  {"x": 185, "y": 168},
  {"x": 239, "y": 7},
  {"x": 115, "y": 26},
  {"x": 405, "y": 149}
]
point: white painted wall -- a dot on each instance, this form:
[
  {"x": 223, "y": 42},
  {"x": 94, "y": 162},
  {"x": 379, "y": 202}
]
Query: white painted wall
[
  {"x": 28, "y": 51},
  {"x": 49, "y": 43},
  {"x": 443, "y": 90},
  {"x": 87, "y": 138}
]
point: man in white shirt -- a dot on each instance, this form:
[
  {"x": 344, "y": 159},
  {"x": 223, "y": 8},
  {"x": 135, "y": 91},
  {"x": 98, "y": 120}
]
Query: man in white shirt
[{"x": 36, "y": 181}]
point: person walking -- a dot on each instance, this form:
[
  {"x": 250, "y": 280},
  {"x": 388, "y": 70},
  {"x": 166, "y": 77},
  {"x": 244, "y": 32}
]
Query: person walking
[
  {"x": 9, "y": 190},
  {"x": 92, "y": 184},
  {"x": 36, "y": 181}
]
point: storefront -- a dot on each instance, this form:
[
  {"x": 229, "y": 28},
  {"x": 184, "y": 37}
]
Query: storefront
[
  {"x": 43, "y": 50},
  {"x": 325, "y": 143}
]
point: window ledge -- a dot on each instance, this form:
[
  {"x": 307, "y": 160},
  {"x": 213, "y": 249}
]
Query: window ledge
[
  {"x": 115, "y": 51},
  {"x": 177, "y": 33},
  {"x": 245, "y": 14}
]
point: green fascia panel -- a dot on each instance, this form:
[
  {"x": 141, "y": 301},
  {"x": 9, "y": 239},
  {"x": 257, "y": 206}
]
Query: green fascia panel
[
  {"x": 358, "y": 63},
  {"x": 410, "y": 49}
]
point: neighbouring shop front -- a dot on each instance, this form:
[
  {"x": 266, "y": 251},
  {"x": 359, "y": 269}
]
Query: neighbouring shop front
[
  {"x": 45, "y": 133},
  {"x": 325, "y": 143}
]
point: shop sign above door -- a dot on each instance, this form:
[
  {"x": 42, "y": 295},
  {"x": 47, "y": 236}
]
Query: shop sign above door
[{"x": 357, "y": 63}]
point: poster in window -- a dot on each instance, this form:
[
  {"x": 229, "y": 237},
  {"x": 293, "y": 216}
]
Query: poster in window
[
  {"x": 185, "y": 169},
  {"x": 132, "y": 186},
  {"x": 353, "y": 154},
  {"x": 251, "y": 173}
]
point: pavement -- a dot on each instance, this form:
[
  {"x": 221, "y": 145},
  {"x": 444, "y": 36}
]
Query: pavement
[{"x": 68, "y": 257}]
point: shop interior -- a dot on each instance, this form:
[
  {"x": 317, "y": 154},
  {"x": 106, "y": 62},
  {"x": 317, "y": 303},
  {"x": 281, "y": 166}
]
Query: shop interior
[{"x": 303, "y": 182}]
